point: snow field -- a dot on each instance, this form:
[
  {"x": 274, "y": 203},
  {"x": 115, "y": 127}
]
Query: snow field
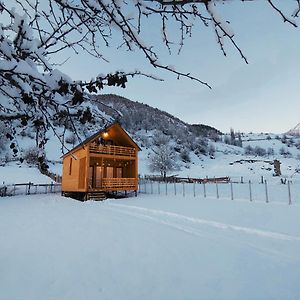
[{"x": 149, "y": 247}]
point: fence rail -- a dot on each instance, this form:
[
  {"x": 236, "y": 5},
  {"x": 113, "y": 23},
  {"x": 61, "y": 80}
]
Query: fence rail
[
  {"x": 29, "y": 188},
  {"x": 246, "y": 190}
]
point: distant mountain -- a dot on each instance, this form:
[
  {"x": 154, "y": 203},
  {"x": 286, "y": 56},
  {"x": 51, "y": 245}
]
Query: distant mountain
[
  {"x": 294, "y": 131},
  {"x": 135, "y": 116},
  {"x": 149, "y": 125}
]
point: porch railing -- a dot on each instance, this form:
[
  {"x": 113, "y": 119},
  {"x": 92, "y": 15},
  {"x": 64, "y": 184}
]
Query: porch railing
[
  {"x": 115, "y": 184},
  {"x": 113, "y": 150}
]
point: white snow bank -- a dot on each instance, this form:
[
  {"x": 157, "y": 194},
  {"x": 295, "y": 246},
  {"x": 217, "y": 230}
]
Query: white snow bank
[
  {"x": 148, "y": 247},
  {"x": 13, "y": 173}
]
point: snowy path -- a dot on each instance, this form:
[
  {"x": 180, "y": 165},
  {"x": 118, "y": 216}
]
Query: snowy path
[
  {"x": 216, "y": 230},
  {"x": 170, "y": 218},
  {"x": 147, "y": 248}
]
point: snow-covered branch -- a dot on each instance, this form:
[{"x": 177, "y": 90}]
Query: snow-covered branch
[{"x": 34, "y": 93}]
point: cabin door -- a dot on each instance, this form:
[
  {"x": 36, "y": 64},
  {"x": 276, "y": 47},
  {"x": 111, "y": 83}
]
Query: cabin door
[
  {"x": 95, "y": 176},
  {"x": 98, "y": 176},
  {"x": 119, "y": 172},
  {"x": 109, "y": 172}
]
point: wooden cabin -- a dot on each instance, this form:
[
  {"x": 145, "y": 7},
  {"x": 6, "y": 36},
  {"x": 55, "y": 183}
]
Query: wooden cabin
[{"x": 105, "y": 162}]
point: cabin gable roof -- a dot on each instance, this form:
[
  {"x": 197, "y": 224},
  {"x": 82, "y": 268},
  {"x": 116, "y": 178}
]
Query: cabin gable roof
[{"x": 115, "y": 132}]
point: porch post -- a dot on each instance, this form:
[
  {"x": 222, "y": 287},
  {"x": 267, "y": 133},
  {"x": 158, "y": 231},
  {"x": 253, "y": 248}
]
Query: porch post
[
  {"x": 136, "y": 169},
  {"x": 87, "y": 173}
]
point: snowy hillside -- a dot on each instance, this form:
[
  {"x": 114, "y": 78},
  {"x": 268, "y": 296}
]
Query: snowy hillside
[{"x": 149, "y": 248}]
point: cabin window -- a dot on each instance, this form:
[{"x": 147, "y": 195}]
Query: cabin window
[{"x": 70, "y": 166}]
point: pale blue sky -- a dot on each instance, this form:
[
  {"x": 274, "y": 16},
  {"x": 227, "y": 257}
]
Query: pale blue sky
[{"x": 261, "y": 96}]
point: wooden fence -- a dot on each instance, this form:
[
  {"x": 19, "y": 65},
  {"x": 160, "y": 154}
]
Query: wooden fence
[
  {"x": 225, "y": 179},
  {"x": 29, "y": 188}
]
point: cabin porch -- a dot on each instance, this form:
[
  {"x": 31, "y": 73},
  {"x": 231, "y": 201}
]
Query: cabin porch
[{"x": 107, "y": 174}]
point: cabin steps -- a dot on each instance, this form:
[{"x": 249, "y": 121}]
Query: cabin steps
[{"x": 96, "y": 196}]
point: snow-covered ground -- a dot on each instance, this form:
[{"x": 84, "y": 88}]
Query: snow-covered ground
[
  {"x": 21, "y": 173},
  {"x": 149, "y": 247}
]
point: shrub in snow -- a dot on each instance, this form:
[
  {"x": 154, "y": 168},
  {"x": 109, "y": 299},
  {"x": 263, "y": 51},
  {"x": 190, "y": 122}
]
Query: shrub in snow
[
  {"x": 161, "y": 139},
  {"x": 71, "y": 139},
  {"x": 31, "y": 156},
  {"x": 185, "y": 155},
  {"x": 284, "y": 152},
  {"x": 201, "y": 147},
  {"x": 211, "y": 150},
  {"x": 249, "y": 150},
  {"x": 259, "y": 151}
]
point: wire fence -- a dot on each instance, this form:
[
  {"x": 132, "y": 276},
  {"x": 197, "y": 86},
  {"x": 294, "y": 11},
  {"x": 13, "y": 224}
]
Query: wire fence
[
  {"x": 29, "y": 189},
  {"x": 263, "y": 191}
]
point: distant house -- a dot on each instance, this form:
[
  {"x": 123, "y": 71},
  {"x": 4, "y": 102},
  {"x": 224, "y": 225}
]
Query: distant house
[{"x": 105, "y": 162}]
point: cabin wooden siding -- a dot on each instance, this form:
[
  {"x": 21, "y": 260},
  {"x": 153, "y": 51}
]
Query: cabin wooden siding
[
  {"x": 72, "y": 181},
  {"x": 119, "y": 159}
]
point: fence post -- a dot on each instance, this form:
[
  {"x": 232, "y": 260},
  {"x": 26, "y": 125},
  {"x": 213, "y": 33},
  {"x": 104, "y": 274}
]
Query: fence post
[
  {"x": 289, "y": 191},
  {"x": 14, "y": 189},
  {"x": 250, "y": 190},
  {"x": 166, "y": 188},
  {"x": 194, "y": 189},
  {"x": 145, "y": 186},
  {"x": 217, "y": 190},
  {"x": 46, "y": 189},
  {"x": 266, "y": 189},
  {"x": 242, "y": 179},
  {"x": 204, "y": 190},
  {"x": 183, "y": 189},
  {"x": 151, "y": 185},
  {"x": 29, "y": 185},
  {"x": 158, "y": 187},
  {"x": 231, "y": 190},
  {"x": 4, "y": 191},
  {"x": 175, "y": 188}
]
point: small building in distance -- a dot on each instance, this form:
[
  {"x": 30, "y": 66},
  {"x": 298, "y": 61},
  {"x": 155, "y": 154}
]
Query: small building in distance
[{"x": 106, "y": 162}]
